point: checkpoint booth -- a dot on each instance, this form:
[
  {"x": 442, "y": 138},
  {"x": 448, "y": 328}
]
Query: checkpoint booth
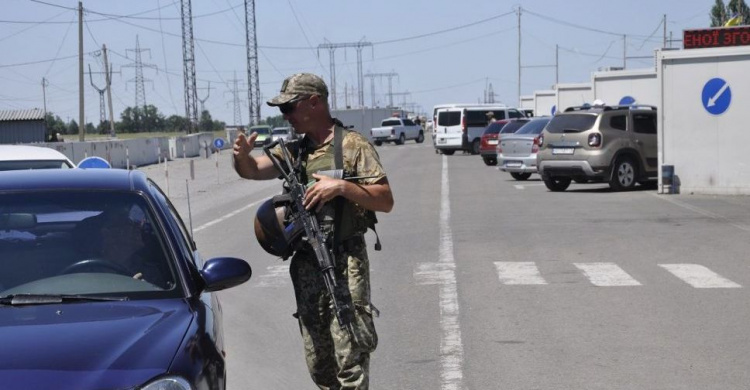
[
  {"x": 624, "y": 87},
  {"x": 703, "y": 115},
  {"x": 526, "y": 103},
  {"x": 573, "y": 94}
]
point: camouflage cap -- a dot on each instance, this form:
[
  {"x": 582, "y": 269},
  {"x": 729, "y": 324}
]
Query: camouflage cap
[{"x": 297, "y": 85}]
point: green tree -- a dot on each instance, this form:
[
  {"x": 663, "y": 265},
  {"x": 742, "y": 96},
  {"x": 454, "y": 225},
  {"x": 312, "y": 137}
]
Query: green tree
[
  {"x": 72, "y": 127},
  {"x": 55, "y": 124},
  {"x": 720, "y": 13},
  {"x": 276, "y": 121},
  {"x": 90, "y": 128},
  {"x": 176, "y": 123},
  {"x": 206, "y": 123}
]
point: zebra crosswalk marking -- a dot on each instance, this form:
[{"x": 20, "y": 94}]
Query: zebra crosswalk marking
[
  {"x": 699, "y": 276},
  {"x": 606, "y": 275},
  {"x": 519, "y": 272}
]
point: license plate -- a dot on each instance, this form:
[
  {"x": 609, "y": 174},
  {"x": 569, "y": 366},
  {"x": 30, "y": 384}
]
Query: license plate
[
  {"x": 492, "y": 142},
  {"x": 441, "y": 140},
  {"x": 513, "y": 164},
  {"x": 562, "y": 150}
]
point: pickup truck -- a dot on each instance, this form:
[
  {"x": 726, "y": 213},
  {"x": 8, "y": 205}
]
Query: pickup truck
[{"x": 397, "y": 130}]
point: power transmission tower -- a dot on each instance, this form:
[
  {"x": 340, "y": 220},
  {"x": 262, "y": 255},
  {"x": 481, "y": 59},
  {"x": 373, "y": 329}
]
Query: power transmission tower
[
  {"x": 236, "y": 102},
  {"x": 332, "y": 58},
  {"x": 390, "y": 76},
  {"x": 203, "y": 108},
  {"x": 140, "y": 91},
  {"x": 102, "y": 110},
  {"x": 253, "y": 79},
  {"x": 403, "y": 96},
  {"x": 188, "y": 58}
]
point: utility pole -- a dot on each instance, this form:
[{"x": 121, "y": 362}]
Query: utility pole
[
  {"x": 360, "y": 80},
  {"x": 519, "y": 56},
  {"x": 624, "y": 51},
  {"x": 109, "y": 92},
  {"x": 188, "y": 58},
  {"x": 664, "y": 32},
  {"x": 390, "y": 75},
  {"x": 45, "y": 83},
  {"x": 81, "y": 117},
  {"x": 253, "y": 79}
]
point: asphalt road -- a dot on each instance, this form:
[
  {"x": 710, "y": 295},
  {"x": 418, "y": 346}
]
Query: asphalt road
[{"x": 485, "y": 282}]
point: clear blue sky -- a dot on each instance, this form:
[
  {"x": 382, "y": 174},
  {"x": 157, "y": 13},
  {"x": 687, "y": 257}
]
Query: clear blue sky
[{"x": 463, "y": 47}]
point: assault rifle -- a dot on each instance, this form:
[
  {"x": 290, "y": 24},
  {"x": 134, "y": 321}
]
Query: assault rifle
[{"x": 339, "y": 292}]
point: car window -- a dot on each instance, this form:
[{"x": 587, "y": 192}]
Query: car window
[
  {"x": 644, "y": 123},
  {"x": 280, "y": 131},
  {"x": 513, "y": 126},
  {"x": 618, "y": 122},
  {"x": 83, "y": 242},
  {"x": 261, "y": 130},
  {"x": 33, "y": 164},
  {"x": 494, "y": 128},
  {"x": 571, "y": 123},
  {"x": 449, "y": 118},
  {"x": 408, "y": 122},
  {"x": 515, "y": 114},
  {"x": 533, "y": 127},
  {"x": 391, "y": 122}
]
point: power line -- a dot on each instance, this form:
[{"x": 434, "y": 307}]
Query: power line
[{"x": 492, "y": 18}]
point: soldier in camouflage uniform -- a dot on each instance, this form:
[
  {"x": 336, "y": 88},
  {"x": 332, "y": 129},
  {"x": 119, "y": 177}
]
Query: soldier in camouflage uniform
[{"x": 334, "y": 360}]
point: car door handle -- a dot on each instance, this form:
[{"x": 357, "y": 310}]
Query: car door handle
[{"x": 638, "y": 142}]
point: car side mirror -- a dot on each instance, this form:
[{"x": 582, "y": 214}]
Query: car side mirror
[{"x": 221, "y": 273}]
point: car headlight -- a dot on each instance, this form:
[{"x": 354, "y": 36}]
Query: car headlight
[{"x": 168, "y": 383}]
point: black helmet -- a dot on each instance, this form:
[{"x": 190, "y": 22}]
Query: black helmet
[{"x": 275, "y": 234}]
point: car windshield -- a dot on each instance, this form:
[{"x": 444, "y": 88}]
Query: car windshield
[
  {"x": 571, "y": 123},
  {"x": 83, "y": 242},
  {"x": 449, "y": 118},
  {"x": 513, "y": 126},
  {"x": 261, "y": 130},
  {"x": 280, "y": 131},
  {"x": 494, "y": 128},
  {"x": 534, "y": 127},
  {"x": 391, "y": 122},
  {"x": 33, "y": 164}
]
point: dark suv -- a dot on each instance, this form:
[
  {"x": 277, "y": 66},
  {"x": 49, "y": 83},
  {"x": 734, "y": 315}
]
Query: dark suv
[{"x": 617, "y": 145}]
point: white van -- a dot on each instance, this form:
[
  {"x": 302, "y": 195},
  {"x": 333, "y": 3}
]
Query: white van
[{"x": 460, "y": 126}]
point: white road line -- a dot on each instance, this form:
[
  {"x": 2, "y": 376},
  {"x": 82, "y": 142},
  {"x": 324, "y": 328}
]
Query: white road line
[
  {"x": 443, "y": 273},
  {"x": 225, "y": 217},
  {"x": 519, "y": 187},
  {"x": 520, "y": 272},
  {"x": 606, "y": 275},
  {"x": 699, "y": 276},
  {"x": 277, "y": 276}
]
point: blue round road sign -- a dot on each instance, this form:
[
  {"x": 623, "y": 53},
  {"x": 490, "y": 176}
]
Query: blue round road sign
[
  {"x": 716, "y": 96},
  {"x": 94, "y": 162},
  {"x": 218, "y": 143},
  {"x": 627, "y": 100}
]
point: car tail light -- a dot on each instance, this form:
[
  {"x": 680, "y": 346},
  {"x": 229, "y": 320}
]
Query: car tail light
[
  {"x": 539, "y": 140},
  {"x": 595, "y": 140},
  {"x": 535, "y": 146},
  {"x": 499, "y": 148},
  {"x": 463, "y": 123}
]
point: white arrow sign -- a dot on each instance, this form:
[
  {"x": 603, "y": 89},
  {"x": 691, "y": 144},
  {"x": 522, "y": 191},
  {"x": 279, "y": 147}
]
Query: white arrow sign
[{"x": 712, "y": 100}]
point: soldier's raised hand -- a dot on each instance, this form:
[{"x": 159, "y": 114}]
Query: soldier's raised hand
[{"x": 243, "y": 145}]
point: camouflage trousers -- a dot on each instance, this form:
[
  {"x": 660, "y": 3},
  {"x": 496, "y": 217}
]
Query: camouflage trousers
[{"x": 335, "y": 362}]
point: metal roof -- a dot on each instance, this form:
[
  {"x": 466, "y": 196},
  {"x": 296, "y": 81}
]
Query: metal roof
[{"x": 32, "y": 114}]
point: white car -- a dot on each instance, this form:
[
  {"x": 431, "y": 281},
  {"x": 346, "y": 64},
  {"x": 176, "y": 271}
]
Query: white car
[
  {"x": 17, "y": 157},
  {"x": 284, "y": 133}
]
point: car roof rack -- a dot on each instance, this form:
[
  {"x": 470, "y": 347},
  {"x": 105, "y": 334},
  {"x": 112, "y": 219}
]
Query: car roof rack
[
  {"x": 609, "y": 108},
  {"x": 634, "y": 107}
]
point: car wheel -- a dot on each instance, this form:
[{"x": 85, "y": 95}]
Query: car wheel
[
  {"x": 378, "y": 143},
  {"x": 520, "y": 175},
  {"x": 475, "y": 147},
  {"x": 624, "y": 175},
  {"x": 448, "y": 152},
  {"x": 420, "y": 138},
  {"x": 556, "y": 184},
  {"x": 489, "y": 161},
  {"x": 401, "y": 139}
]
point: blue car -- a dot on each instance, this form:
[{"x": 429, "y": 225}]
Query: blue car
[{"x": 101, "y": 286}]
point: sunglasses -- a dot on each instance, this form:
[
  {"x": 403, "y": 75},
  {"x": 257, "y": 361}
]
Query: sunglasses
[{"x": 289, "y": 107}]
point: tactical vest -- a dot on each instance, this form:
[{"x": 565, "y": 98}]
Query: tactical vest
[{"x": 340, "y": 217}]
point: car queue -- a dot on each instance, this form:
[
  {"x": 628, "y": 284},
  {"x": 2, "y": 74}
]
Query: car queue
[{"x": 593, "y": 143}]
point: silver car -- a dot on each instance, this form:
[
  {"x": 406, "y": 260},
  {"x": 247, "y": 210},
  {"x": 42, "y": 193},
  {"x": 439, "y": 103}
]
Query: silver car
[
  {"x": 516, "y": 152},
  {"x": 284, "y": 133}
]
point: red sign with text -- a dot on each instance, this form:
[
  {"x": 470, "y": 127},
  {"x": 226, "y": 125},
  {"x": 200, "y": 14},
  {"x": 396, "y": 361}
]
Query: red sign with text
[{"x": 716, "y": 37}]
